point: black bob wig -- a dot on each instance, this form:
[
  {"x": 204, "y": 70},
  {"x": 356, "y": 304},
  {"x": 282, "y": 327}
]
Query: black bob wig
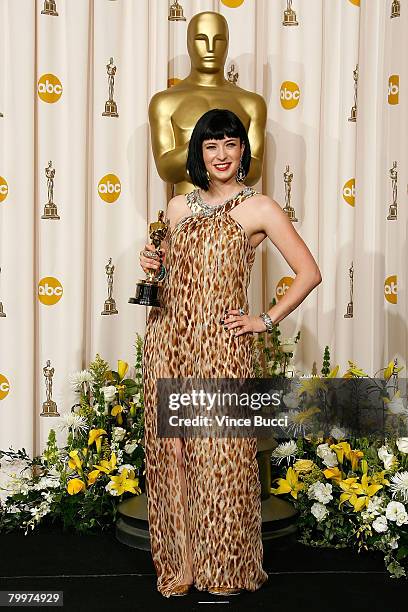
[{"x": 215, "y": 124}]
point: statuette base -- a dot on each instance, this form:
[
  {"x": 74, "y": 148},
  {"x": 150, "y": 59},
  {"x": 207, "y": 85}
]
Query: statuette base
[
  {"x": 49, "y": 408},
  {"x": 50, "y": 212},
  {"x": 147, "y": 294},
  {"x": 111, "y": 109},
  {"x": 109, "y": 307}
]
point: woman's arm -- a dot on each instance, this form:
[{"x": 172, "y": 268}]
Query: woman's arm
[{"x": 279, "y": 229}]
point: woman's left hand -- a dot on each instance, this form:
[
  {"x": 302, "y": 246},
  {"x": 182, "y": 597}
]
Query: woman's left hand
[{"x": 242, "y": 324}]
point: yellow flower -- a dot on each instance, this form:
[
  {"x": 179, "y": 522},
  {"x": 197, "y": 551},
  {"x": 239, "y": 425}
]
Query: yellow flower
[
  {"x": 334, "y": 372},
  {"x": 358, "y": 494},
  {"x": 342, "y": 449},
  {"x": 354, "y": 457},
  {"x": 390, "y": 369},
  {"x": 122, "y": 369},
  {"x": 116, "y": 412},
  {"x": 354, "y": 371},
  {"x": 122, "y": 483},
  {"x": 311, "y": 386},
  {"x": 107, "y": 466},
  {"x": 333, "y": 474},
  {"x": 379, "y": 478},
  {"x": 75, "y": 463},
  {"x": 290, "y": 484},
  {"x": 303, "y": 465},
  {"x": 95, "y": 435},
  {"x": 121, "y": 391},
  {"x": 75, "y": 485}
]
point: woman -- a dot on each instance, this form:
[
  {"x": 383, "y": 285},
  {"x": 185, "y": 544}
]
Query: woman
[{"x": 204, "y": 494}]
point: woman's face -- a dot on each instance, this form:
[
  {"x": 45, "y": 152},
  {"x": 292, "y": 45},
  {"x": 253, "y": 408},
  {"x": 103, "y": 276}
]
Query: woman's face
[{"x": 222, "y": 157}]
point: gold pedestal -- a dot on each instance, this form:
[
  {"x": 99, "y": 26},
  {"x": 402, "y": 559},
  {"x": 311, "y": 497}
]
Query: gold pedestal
[
  {"x": 49, "y": 408},
  {"x": 111, "y": 109},
  {"x": 392, "y": 214},
  {"x": 50, "y": 8},
  {"x": 109, "y": 307},
  {"x": 289, "y": 18},
  {"x": 2, "y": 314},
  {"x": 290, "y": 211},
  {"x": 278, "y": 515},
  {"x": 50, "y": 212},
  {"x": 353, "y": 115},
  {"x": 349, "y": 313}
]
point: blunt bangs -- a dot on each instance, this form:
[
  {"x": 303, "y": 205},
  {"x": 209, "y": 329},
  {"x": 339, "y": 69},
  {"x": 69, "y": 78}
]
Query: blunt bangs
[{"x": 215, "y": 124}]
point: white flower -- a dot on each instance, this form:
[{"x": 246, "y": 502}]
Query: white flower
[
  {"x": 118, "y": 433},
  {"x": 77, "y": 378},
  {"x": 402, "y": 445},
  {"x": 137, "y": 398},
  {"x": 386, "y": 457},
  {"x": 109, "y": 392},
  {"x": 380, "y": 524},
  {"x": 327, "y": 455},
  {"x": 375, "y": 505},
  {"x": 285, "y": 450},
  {"x": 109, "y": 488},
  {"x": 321, "y": 492},
  {"x": 338, "y": 433},
  {"x": 291, "y": 400},
  {"x": 319, "y": 511},
  {"x": 74, "y": 422},
  {"x": 396, "y": 405},
  {"x": 393, "y": 542},
  {"x": 399, "y": 485},
  {"x": 130, "y": 447},
  {"x": 46, "y": 483},
  {"x": 395, "y": 511}
]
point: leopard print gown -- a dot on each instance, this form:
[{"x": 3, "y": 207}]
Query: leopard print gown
[{"x": 209, "y": 261}]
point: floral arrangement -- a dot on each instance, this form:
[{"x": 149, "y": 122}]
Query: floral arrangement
[
  {"x": 102, "y": 462},
  {"x": 348, "y": 491}
]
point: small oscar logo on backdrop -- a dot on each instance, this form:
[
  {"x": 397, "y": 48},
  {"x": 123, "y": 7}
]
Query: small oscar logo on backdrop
[
  {"x": 49, "y": 407},
  {"x": 289, "y": 16},
  {"x": 2, "y": 313},
  {"x": 50, "y": 8},
  {"x": 349, "y": 312},
  {"x": 232, "y": 74},
  {"x": 110, "y": 304},
  {"x": 288, "y": 209},
  {"x": 176, "y": 12},
  {"x": 393, "y": 212},
  {"x": 50, "y": 209},
  {"x": 395, "y": 9},
  {"x": 353, "y": 112},
  {"x": 111, "y": 108}
]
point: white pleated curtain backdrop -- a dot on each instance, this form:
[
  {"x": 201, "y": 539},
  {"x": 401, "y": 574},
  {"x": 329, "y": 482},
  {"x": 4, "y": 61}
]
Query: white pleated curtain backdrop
[{"x": 107, "y": 189}]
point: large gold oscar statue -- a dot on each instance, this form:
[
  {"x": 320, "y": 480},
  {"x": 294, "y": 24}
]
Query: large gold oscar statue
[{"x": 174, "y": 112}]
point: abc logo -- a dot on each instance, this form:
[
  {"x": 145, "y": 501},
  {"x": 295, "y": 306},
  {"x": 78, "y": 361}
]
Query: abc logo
[
  {"x": 173, "y": 81},
  {"x": 349, "y": 192},
  {"x": 282, "y": 286},
  {"x": 49, "y": 88},
  {"x": 109, "y": 188},
  {"x": 390, "y": 289},
  {"x": 355, "y": 2},
  {"x": 232, "y": 3},
  {"x": 3, "y": 189},
  {"x": 393, "y": 89},
  {"x": 4, "y": 386},
  {"x": 49, "y": 290},
  {"x": 289, "y": 94}
]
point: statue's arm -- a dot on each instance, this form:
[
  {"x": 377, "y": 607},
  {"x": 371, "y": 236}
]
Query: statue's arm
[
  {"x": 256, "y": 135},
  {"x": 170, "y": 160}
]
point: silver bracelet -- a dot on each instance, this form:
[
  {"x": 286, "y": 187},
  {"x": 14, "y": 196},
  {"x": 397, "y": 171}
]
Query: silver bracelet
[{"x": 268, "y": 322}]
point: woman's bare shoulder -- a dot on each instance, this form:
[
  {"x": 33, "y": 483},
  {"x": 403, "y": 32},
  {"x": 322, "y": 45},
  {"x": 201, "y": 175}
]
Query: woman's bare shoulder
[{"x": 266, "y": 204}]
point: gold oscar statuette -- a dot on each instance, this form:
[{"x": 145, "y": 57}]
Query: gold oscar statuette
[
  {"x": 349, "y": 312},
  {"x": 395, "y": 9},
  {"x": 50, "y": 8},
  {"x": 288, "y": 209},
  {"x": 2, "y": 313},
  {"x": 50, "y": 209},
  {"x": 110, "y": 304},
  {"x": 353, "y": 112},
  {"x": 148, "y": 289},
  {"x": 111, "y": 108},
  {"x": 176, "y": 12},
  {"x": 393, "y": 208},
  {"x": 289, "y": 16},
  {"x": 49, "y": 407}
]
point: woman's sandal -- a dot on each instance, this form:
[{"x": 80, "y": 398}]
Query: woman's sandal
[
  {"x": 180, "y": 589},
  {"x": 223, "y": 591}
]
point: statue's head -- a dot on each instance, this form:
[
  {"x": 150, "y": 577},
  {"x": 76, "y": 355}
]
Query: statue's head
[{"x": 207, "y": 41}]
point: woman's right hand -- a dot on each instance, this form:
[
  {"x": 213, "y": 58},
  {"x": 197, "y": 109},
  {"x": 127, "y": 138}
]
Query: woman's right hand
[{"x": 149, "y": 264}]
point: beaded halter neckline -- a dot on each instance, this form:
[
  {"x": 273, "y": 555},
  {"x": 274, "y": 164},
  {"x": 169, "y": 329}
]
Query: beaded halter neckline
[{"x": 208, "y": 209}]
